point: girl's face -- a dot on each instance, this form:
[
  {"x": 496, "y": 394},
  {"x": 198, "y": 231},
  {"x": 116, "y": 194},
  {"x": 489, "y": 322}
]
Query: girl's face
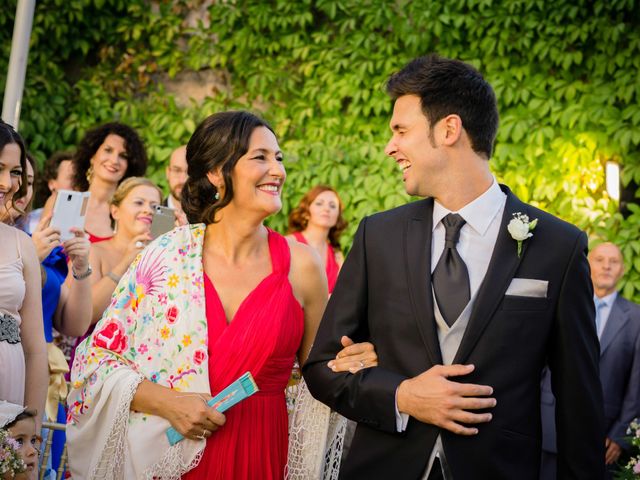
[
  {"x": 10, "y": 172},
  {"x": 135, "y": 212},
  {"x": 24, "y": 432},
  {"x": 324, "y": 210},
  {"x": 110, "y": 160}
]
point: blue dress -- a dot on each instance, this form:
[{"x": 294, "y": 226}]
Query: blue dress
[{"x": 56, "y": 269}]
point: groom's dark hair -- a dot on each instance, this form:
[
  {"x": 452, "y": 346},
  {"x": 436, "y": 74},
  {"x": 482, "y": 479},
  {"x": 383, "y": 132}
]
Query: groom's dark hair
[{"x": 446, "y": 87}]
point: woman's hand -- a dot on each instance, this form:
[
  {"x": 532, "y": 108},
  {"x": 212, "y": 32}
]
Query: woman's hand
[
  {"x": 354, "y": 356},
  {"x": 77, "y": 249},
  {"x": 136, "y": 245},
  {"x": 181, "y": 218},
  {"x": 190, "y": 415},
  {"x": 45, "y": 238}
]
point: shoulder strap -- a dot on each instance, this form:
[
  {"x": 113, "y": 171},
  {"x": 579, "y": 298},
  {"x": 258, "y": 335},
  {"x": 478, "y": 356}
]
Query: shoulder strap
[
  {"x": 299, "y": 237},
  {"x": 280, "y": 252}
]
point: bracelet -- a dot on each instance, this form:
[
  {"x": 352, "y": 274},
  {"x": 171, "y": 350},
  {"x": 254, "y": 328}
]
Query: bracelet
[
  {"x": 113, "y": 276},
  {"x": 81, "y": 276}
]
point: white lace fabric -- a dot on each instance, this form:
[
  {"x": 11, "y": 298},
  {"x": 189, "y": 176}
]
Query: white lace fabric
[{"x": 316, "y": 439}]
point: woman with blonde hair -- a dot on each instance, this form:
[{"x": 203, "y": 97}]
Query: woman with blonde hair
[{"x": 131, "y": 210}]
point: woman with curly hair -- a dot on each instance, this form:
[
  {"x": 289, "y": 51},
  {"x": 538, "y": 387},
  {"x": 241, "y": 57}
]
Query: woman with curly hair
[
  {"x": 106, "y": 156},
  {"x": 318, "y": 222}
]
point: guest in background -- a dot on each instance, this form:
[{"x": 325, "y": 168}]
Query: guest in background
[
  {"x": 23, "y": 355},
  {"x": 66, "y": 299},
  {"x": 176, "y": 173},
  {"x": 18, "y": 207},
  {"x": 318, "y": 222},
  {"x": 106, "y": 155},
  {"x": 618, "y": 328},
  {"x": 132, "y": 208},
  {"x": 56, "y": 175}
]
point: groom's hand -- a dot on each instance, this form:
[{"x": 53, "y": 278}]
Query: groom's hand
[{"x": 432, "y": 398}]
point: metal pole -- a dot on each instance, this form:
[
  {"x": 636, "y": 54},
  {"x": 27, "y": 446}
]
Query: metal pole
[{"x": 18, "y": 62}]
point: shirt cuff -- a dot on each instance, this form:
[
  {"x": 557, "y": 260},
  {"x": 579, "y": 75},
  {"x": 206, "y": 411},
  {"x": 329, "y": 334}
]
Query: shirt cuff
[{"x": 401, "y": 418}]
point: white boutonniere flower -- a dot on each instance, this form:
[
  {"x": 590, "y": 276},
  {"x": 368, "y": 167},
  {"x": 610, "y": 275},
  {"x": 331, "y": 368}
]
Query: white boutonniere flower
[{"x": 520, "y": 229}]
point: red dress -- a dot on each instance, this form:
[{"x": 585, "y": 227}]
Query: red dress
[
  {"x": 263, "y": 338},
  {"x": 332, "y": 267}
]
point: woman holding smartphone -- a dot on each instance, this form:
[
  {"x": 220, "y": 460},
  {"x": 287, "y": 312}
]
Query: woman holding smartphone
[
  {"x": 132, "y": 207},
  {"x": 202, "y": 305},
  {"x": 23, "y": 356}
]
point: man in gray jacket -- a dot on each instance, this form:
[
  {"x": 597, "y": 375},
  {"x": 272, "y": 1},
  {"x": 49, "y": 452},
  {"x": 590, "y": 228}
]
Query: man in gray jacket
[{"x": 618, "y": 327}]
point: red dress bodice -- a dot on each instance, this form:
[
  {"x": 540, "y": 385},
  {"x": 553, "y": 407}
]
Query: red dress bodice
[{"x": 263, "y": 338}]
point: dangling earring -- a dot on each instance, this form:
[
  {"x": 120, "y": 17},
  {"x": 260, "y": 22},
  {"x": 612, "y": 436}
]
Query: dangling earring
[
  {"x": 89, "y": 173},
  {"x": 217, "y": 195}
]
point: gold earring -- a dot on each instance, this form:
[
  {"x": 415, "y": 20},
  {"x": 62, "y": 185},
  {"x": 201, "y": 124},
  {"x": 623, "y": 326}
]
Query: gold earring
[{"x": 89, "y": 174}]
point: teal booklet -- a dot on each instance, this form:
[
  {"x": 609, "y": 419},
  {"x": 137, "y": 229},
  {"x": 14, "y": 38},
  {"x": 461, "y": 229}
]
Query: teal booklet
[{"x": 243, "y": 387}]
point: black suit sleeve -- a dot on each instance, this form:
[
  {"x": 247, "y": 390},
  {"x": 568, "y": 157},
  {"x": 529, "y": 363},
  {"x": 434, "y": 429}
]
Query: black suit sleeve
[
  {"x": 368, "y": 397},
  {"x": 574, "y": 362}
]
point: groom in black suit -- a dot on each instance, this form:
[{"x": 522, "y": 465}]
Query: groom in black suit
[{"x": 466, "y": 296}]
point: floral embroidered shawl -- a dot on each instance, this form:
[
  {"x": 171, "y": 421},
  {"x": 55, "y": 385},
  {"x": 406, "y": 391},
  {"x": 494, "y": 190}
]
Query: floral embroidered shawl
[{"x": 154, "y": 328}]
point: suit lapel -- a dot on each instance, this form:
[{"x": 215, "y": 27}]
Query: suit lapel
[
  {"x": 616, "y": 321},
  {"x": 502, "y": 267},
  {"x": 417, "y": 259}
]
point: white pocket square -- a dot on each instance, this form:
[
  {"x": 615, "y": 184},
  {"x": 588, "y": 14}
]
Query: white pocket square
[{"x": 528, "y": 287}]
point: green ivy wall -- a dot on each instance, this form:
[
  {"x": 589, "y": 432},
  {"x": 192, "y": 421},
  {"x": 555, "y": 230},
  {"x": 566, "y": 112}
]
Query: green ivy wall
[{"x": 567, "y": 77}]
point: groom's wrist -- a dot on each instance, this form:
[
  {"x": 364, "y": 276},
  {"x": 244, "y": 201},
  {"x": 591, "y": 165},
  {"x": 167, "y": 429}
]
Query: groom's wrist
[{"x": 402, "y": 396}]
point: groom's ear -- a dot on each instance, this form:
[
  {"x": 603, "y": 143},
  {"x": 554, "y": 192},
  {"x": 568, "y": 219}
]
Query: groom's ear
[{"x": 450, "y": 129}]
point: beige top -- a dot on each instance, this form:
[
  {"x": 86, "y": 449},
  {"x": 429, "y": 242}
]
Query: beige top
[{"x": 12, "y": 292}]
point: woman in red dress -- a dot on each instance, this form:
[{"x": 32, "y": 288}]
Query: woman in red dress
[
  {"x": 264, "y": 299},
  {"x": 106, "y": 156},
  {"x": 317, "y": 221}
]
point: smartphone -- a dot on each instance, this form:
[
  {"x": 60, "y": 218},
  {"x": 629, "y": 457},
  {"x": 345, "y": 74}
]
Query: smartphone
[
  {"x": 69, "y": 210},
  {"x": 164, "y": 219}
]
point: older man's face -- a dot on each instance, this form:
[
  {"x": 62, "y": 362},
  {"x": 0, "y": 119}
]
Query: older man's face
[{"x": 606, "y": 267}]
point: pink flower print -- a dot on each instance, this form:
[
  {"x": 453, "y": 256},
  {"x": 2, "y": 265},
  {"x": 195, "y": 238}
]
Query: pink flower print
[
  {"x": 172, "y": 314},
  {"x": 162, "y": 299},
  {"x": 199, "y": 356},
  {"x": 111, "y": 336},
  {"x": 142, "y": 349}
]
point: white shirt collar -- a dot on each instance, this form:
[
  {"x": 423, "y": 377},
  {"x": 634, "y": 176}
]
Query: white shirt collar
[{"x": 479, "y": 213}]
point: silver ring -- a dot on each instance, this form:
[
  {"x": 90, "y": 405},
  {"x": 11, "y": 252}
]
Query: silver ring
[
  {"x": 139, "y": 244},
  {"x": 361, "y": 363}
]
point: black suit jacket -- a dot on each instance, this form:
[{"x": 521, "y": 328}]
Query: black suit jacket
[
  {"x": 619, "y": 375},
  {"x": 384, "y": 295}
]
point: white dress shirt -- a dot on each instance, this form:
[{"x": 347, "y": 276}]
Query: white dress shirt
[
  {"x": 605, "y": 310},
  {"x": 475, "y": 245}
]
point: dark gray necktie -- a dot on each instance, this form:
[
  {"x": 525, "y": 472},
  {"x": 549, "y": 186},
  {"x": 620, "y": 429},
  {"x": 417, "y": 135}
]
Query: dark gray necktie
[{"x": 451, "y": 277}]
